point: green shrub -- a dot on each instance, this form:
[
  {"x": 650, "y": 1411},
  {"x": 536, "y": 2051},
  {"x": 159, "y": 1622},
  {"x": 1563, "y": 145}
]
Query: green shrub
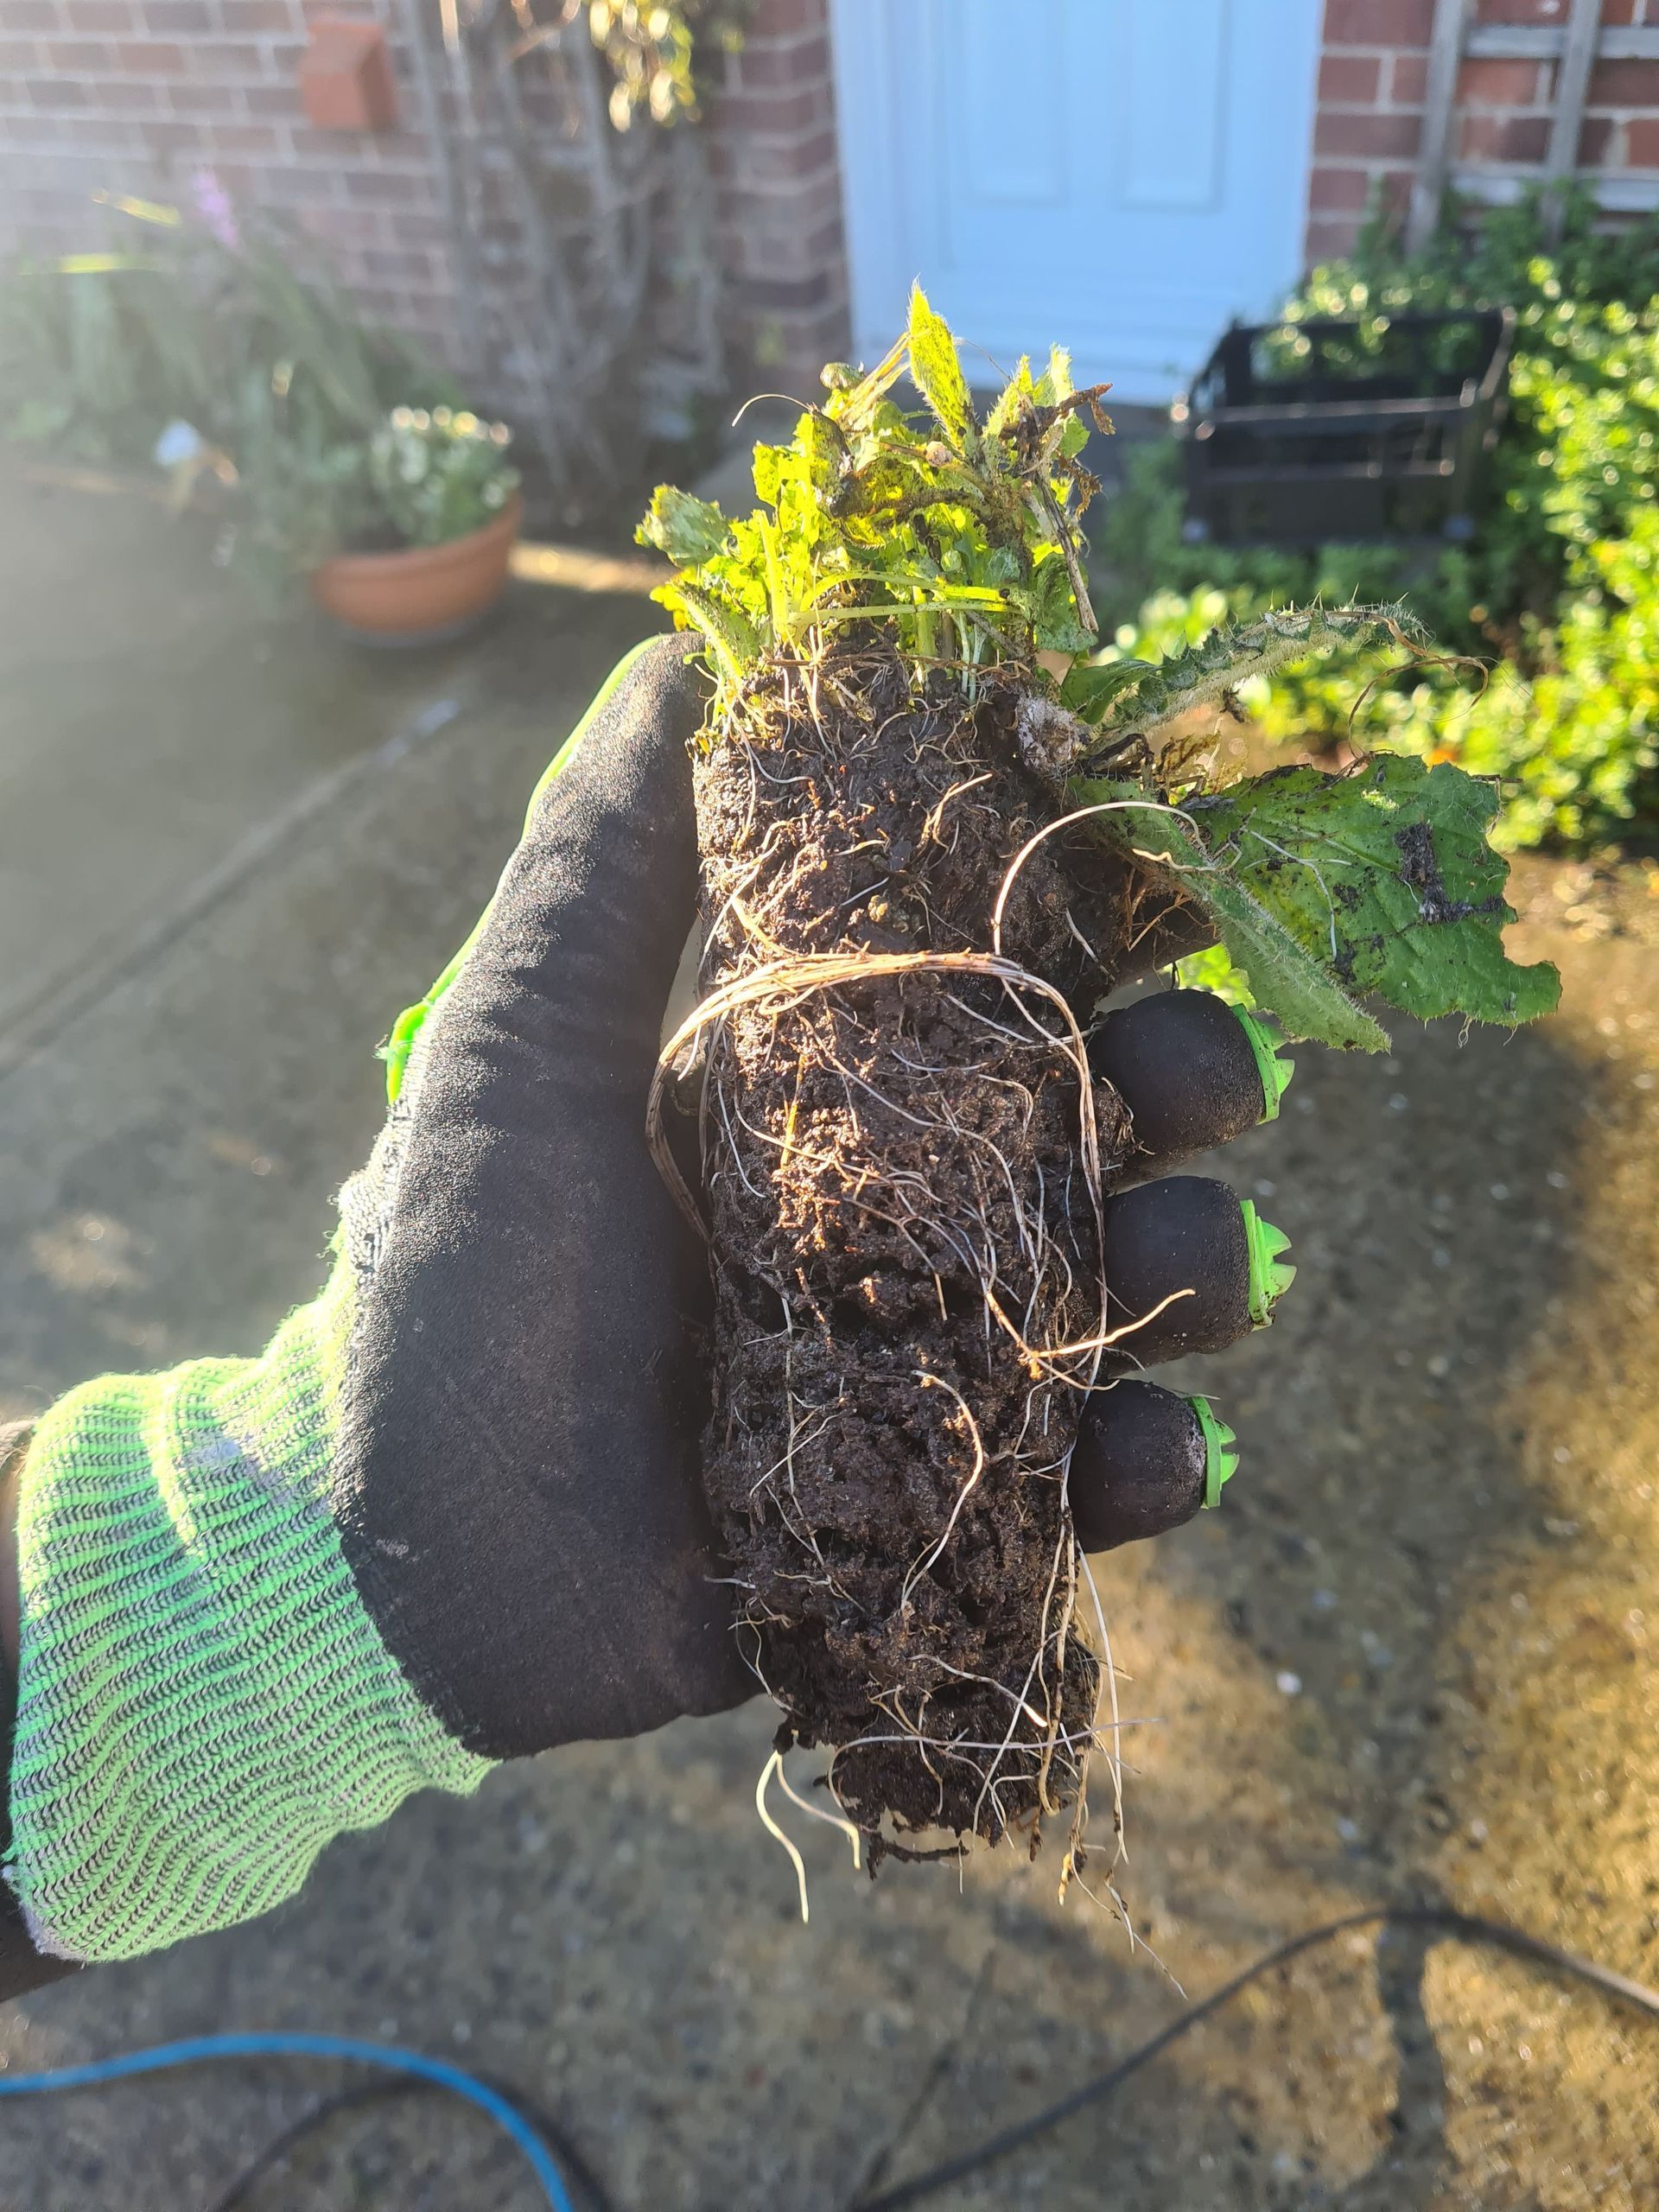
[
  {"x": 1557, "y": 589},
  {"x": 202, "y": 325}
]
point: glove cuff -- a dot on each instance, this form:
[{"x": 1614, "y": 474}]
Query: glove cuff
[{"x": 203, "y": 1699}]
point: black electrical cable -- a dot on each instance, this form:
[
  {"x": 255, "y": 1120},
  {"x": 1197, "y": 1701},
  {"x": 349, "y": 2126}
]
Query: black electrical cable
[
  {"x": 576, "y": 2167},
  {"x": 541, "y": 2137},
  {"x": 1470, "y": 1927}
]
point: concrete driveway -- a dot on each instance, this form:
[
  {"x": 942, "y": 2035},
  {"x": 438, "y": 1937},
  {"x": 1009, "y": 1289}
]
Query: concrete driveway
[{"x": 1411, "y": 1658}]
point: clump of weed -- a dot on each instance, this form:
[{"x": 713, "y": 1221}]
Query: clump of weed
[{"x": 931, "y": 827}]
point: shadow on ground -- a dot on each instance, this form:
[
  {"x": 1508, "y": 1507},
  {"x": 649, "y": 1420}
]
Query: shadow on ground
[{"x": 1408, "y": 1660}]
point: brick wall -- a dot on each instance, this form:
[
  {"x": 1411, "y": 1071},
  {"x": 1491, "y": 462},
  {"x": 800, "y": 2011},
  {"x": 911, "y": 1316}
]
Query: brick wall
[
  {"x": 776, "y": 160},
  {"x": 1373, "y": 71},
  {"x": 136, "y": 96}
]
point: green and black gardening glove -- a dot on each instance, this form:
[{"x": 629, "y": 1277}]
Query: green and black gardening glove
[{"x": 451, "y": 1515}]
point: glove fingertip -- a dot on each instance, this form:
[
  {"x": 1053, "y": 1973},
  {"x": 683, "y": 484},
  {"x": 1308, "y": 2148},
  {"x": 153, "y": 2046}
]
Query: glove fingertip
[{"x": 1140, "y": 1467}]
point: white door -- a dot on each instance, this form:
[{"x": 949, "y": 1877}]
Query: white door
[{"x": 1119, "y": 176}]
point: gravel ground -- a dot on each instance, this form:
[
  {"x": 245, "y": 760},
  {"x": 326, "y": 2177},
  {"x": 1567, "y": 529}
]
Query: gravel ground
[{"x": 1410, "y": 1659}]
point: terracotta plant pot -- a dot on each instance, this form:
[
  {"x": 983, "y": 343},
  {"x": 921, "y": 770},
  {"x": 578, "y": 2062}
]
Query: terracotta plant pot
[{"x": 420, "y": 593}]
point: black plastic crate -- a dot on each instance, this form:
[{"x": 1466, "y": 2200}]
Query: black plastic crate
[{"x": 1300, "y": 432}]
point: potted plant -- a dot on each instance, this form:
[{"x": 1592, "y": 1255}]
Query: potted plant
[{"x": 424, "y": 515}]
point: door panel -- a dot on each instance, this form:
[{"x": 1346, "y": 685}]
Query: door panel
[
  {"x": 1121, "y": 176},
  {"x": 1172, "y": 67}
]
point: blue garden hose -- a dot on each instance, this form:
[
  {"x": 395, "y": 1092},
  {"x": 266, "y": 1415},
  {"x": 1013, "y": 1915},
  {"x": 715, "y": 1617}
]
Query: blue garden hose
[{"x": 283, "y": 2043}]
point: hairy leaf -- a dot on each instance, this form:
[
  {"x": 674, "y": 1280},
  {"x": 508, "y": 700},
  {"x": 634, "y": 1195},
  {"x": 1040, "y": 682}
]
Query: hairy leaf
[
  {"x": 1287, "y": 979},
  {"x": 689, "y": 530},
  {"x": 1385, "y": 877},
  {"x": 936, "y": 372},
  {"x": 1232, "y": 653},
  {"x": 1090, "y": 686},
  {"x": 734, "y": 641}
]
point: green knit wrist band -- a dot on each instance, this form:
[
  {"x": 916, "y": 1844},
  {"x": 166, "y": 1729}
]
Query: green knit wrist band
[{"x": 203, "y": 1698}]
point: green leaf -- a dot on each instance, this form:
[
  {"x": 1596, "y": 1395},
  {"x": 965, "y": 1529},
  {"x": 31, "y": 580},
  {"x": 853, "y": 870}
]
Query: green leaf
[
  {"x": 1232, "y": 653},
  {"x": 936, "y": 372},
  {"x": 1090, "y": 686},
  {"x": 1215, "y": 970},
  {"x": 734, "y": 641},
  {"x": 1288, "y": 981},
  {"x": 1055, "y": 383},
  {"x": 1017, "y": 397},
  {"x": 1387, "y": 879},
  {"x": 689, "y": 530},
  {"x": 1053, "y": 610}
]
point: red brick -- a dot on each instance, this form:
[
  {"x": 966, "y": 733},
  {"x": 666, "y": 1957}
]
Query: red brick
[
  {"x": 1332, "y": 191},
  {"x": 1377, "y": 22},
  {"x": 1624, "y": 84},
  {"x": 179, "y": 18},
  {"x": 1409, "y": 80},
  {"x": 400, "y": 151},
  {"x": 772, "y": 67},
  {"x": 1498, "y": 83},
  {"x": 272, "y": 99},
  {"x": 1522, "y": 138},
  {"x": 207, "y": 100},
  {"x": 1350, "y": 80},
  {"x": 1618, "y": 11},
  {"x": 1596, "y": 137},
  {"x": 123, "y": 92},
  {"x": 1641, "y": 143},
  {"x": 398, "y": 265},
  {"x": 1366, "y": 137},
  {"x": 97, "y": 18},
  {"x": 167, "y": 139},
  {"x": 1545, "y": 14},
  {"x": 351, "y": 229},
  {"x": 55, "y": 93},
  {"x": 1328, "y": 237},
  {"x": 773, "y": 116},
  {"x": 153, "y": 57},
  {"x": 244, "y": 18},
  {"x": 286, "y": 185},
  {"x": 761, "y": 164},
  {"x": 81, "y": 57},
  {"x": 388, "y": 187},
  {"x": 779, "y": 18},
  {"x": 226, "y": 57},
  {"x": 421, "y": 231}
]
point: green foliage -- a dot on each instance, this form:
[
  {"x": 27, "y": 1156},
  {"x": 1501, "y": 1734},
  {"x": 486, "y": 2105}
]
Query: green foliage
[
  {"x": 651, "y": 50},
  {"x": 936, "y": 374},
  {"x": 438, "y": 474},
  {"x": 1326, "y": 889},
  {"x": 957, "y": 541},
  {"x": 1388, "y": 872},
  {"x": 331, "y": 433},
  {"x": 1215, "y": 970},
  {"x": 1206, "y": 670},
  {"x": 1297, "y": 984},
  {"x": 952, "y": 542},
  {"x": 1558, "y": 587},
  {"x": 100, "y": 352}
]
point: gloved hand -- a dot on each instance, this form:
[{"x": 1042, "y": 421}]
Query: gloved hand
[{"x": 451, "y": 1515}]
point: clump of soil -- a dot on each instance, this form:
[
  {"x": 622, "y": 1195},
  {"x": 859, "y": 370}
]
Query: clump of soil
[{"x": 903, "y": 1160}]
